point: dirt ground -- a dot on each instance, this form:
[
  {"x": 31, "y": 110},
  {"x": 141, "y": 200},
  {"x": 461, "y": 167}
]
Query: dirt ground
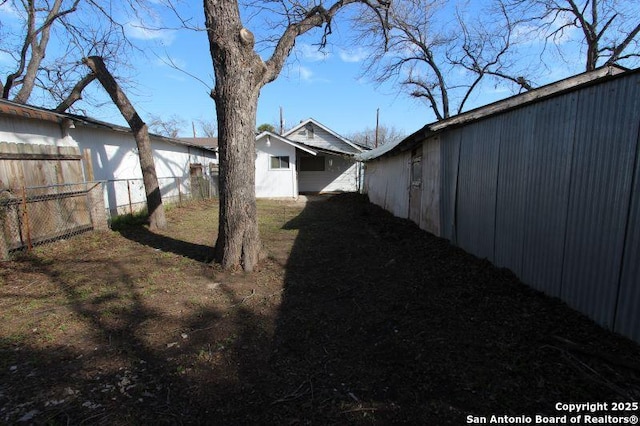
[{"x": 354, "y": 317}]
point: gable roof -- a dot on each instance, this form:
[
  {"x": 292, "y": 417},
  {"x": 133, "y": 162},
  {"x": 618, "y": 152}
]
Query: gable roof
[
  {"x": 287, "y": 141},
  {"x": 10, "y": 108},
  {"x": 326, "y": 129},
  {"x": 535, "y": 95}
]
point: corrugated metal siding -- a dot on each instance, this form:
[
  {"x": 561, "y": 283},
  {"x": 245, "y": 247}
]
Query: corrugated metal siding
[
  {"x": 549, "y": 167},
  {"x": 430, "y": 208},
  {"x": 387, "y": 183},
  {"x": 477, "y": 177},
  {"x": 553, "y": 190},
  {"x": 513, "y": 182},
  {"x": 450, "y": 150},
  {"x": 601, "y": 179},
  {"x": 628, "y": 314}
]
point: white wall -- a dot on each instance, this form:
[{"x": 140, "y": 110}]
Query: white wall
[
  {"x": 15, "y": 129},
  {"x": 113, "y": 157},
  {"x": 340, "y": 174},
  {"x": 387, "y": 183},
  {"x": 275, "y": 182}
]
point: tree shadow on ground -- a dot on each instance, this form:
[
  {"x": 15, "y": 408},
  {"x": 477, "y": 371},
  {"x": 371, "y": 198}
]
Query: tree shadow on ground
[
  {"x": 109, "y": 371},
  {"x": 142, "y": 235},
  {"x": 383, "y": 323}
]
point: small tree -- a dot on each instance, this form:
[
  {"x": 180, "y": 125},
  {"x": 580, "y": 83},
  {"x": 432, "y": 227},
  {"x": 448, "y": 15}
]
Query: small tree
[
  {"x": 169, "y": 127},
  {"x": 207, "y": 128},
  {"x": 266, "y": 127},
  {"x": 385, "y": 135},
  {"x": 157, "y": 218}
]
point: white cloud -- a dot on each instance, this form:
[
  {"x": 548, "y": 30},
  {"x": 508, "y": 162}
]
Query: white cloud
[
  {"x": 305, "y": 74},
  {"x": 311, "y": 53},
  {"x": 140, "y": 31},
  {"x": 357, "y": 55}
]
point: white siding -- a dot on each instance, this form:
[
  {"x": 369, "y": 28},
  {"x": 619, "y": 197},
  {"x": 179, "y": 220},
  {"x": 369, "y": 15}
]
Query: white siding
[
  {"x": 387, "y": 183},
  {"x": 15, "y": 129},
  {"x": 320, "y": 138},
  {"x": 113, "y": 156},
  {"x": 275, "y": 183},
  {"x": 340, "y": 175}
]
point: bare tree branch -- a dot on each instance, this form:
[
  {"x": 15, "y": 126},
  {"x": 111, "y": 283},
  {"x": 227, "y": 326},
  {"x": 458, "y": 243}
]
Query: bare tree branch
[
  {"x": 76, "y": 93},
  {"x": 443, "y": 65},
  {"x": 35, "y": 46},
  {"x": 609, "y": 28}
]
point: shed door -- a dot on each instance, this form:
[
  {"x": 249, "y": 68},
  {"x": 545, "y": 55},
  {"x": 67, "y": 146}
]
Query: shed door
[{"x": 415, "y": 186}]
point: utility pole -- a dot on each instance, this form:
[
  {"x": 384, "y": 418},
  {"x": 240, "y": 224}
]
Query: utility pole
[
  {"x": 281, "y": 121},
  {"x": 193, "y": 126},
  {"x": 377, "y": 124}
]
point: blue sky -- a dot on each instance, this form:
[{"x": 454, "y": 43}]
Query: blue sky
[{"x": 327, "y": 86}]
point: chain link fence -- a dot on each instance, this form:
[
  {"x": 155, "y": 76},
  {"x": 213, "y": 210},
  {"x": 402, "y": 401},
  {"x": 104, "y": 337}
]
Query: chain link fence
[
  {"x": 37, "y": 215},
  {"x": 127, "y": 196}
]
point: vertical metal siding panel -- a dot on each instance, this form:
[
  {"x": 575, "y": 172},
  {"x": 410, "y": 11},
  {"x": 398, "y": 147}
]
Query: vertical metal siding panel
[
  {"x": 548, "y": 193},
  {"x": 450, "y": 143},
  {"x": 598, "y": 206},
  {"x": 430, "y": 198},
  {"x": 513, "y": 180},
  {"x": 398, "y": 189},
  {"x": 477, "y": 187},
  {"x": 627, "y": 319}
]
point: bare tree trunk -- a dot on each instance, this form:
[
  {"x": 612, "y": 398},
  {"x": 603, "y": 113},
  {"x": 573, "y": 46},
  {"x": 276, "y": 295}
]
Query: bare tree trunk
[
  {"x": 238, "y": 71},
  {"x": 238, "y": 238},
  {"x": 157, "y": 218},
  {"x": 240, "y": 74},
  {"x": 37, "y": 47}
]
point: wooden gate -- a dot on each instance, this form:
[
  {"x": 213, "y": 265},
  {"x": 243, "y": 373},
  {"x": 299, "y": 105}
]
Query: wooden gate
[{"x": 43, "y": 196}]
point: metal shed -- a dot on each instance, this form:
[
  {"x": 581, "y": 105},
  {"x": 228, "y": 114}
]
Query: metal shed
[{"x": 544, "y": 183}]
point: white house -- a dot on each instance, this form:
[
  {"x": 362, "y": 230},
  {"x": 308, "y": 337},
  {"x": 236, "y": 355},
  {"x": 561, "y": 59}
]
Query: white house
[
  {"x": 108, "y": 153},
  {"x": 276, "y": 165},
  {"x": 310, "y": 158}
]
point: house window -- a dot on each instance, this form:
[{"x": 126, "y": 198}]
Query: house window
[
  {"x": 312, "y": 164},
  {"x": 280, "y": 162}
]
